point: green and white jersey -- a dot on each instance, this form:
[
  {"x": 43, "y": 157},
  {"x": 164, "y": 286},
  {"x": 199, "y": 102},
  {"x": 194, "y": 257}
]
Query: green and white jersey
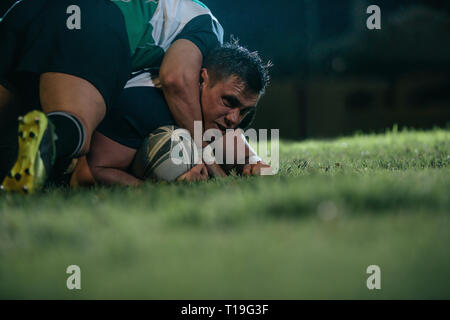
[{"x": 153, "y": 25}]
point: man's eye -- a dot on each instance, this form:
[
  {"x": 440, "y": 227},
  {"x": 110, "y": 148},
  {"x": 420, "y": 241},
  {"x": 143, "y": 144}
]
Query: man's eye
[{"x": 226, "y": 103}]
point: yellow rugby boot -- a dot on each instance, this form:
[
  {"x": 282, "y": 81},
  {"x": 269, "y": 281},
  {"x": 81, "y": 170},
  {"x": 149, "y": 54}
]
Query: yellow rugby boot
[{"x": 36, "y": 154}]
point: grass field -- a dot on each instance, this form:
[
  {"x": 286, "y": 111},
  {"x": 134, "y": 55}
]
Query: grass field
[{"x": 310, "y": 232}]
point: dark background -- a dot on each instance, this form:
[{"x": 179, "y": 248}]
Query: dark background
[{"x": 333, "y": 76}]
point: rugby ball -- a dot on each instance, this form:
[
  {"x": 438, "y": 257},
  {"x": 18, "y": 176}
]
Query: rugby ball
[{"x": 167, "y": 153}]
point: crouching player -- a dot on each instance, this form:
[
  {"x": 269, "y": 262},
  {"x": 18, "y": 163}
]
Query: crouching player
[
  {"x": 232, "y": 81},
  {"x": 71, "y": 60}
]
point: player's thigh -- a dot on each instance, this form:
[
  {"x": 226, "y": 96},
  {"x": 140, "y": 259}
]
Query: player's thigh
[
  {"x": 9, "y": 110},
  {"x": 6, "y": 104},
  {"x": 5, "y": 96},
  {"x": 11, "y": 106},
  {"x": 64, "y": 92}
]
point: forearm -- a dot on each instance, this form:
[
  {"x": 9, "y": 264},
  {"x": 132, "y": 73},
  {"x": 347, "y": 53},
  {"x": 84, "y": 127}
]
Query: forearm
[
  {"x": 183, "y": 99},
  {"x": 113, "y": 176},
  {"x": 180, "y": 81},
  {"x": 236, "y": 150},
  {"x": 180, "y": 78},
  {"x": 245, "y": 159}
]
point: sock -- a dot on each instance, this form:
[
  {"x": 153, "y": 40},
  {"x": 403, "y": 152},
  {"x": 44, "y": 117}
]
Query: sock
[{"x": 70, "y": 134}]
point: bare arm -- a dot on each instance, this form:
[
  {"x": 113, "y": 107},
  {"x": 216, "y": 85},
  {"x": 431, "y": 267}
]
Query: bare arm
[
  {"x": 109, "y": 161},
  {"x": 180, "y": 78},
  {"x": 243, "y": 153}
]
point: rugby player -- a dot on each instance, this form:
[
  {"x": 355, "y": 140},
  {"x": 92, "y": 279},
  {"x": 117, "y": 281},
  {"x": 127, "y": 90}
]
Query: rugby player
[
  {"x": 74, "y": 74},
  {"x": 232, "y": 81}
]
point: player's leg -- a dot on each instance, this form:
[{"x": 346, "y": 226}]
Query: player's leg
[
  {"x": 10, "y": 108},
  {"x": 81, "y": 71},
  {"x": 7, "y": 111},
  {"x": 6, "y": 98},
  {"x": 74, "y": 108}
]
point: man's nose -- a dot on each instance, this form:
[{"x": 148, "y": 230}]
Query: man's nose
[{"x": 232, "y": 118}]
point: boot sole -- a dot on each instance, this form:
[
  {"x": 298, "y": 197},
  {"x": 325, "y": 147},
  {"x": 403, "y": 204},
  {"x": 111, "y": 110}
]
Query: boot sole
[{"x": 24, "y": 176}]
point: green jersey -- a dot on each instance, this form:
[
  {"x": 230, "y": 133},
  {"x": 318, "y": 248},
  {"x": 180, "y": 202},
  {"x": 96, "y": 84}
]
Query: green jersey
[{"x": 153, "y": 25}]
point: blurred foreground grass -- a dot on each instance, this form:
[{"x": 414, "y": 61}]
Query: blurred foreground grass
[{"x": 310, "y": 232}]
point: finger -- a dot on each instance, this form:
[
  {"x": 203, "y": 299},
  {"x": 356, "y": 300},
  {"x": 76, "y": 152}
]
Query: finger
[
  {"x": 204, "y": 172},
  {"x": 247, "y": 170},
  {"x": 182, "y": 177},
  {"x": 202, "y": 176},
  {"x": 256, "y": 169},
  {"x": 198, "y": 168}
]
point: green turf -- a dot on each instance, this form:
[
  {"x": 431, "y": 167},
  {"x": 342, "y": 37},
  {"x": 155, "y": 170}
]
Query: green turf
[{"x": 335, "y": 208}]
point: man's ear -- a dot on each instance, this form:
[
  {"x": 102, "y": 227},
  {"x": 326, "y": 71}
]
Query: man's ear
[{"x": 204, "y": 77}]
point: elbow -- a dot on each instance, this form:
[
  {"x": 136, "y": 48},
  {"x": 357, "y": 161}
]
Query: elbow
[
  {"x": 177, "y": 81},
  {"x": 170, "y": 79}
]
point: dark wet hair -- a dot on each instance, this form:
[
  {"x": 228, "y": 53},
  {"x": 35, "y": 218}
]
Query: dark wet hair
[{"x": 234, "y": 59}]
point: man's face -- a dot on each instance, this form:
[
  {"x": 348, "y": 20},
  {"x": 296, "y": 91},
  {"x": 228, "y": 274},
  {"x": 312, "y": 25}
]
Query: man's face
[{"x": 225, "y": 104}]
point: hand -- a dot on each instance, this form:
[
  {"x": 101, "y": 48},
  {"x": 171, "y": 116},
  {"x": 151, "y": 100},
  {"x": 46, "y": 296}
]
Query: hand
[
  {"x": 215, "y": 170},
  {"x": 197, "y": 173},
  {"x": 254, "y": 169}
]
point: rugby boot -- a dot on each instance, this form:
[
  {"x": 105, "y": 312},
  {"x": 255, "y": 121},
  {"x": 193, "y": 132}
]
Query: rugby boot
[{"x": 36, "y": 154}]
